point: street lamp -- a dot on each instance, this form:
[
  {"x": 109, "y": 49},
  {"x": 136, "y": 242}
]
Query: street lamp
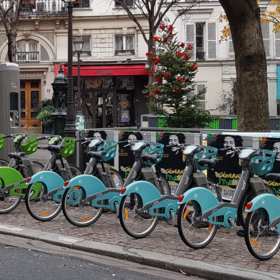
[
  {"x": 70, "y": 128},
  {"x": 78, "y": 45}
]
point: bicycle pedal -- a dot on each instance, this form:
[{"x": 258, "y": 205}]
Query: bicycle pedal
[{"x": 240, "y": 233}]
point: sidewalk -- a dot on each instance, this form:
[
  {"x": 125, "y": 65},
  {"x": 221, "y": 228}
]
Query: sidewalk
[{"x": 226, "y": 257}]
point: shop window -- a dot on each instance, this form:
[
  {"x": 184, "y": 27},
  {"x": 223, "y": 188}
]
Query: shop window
[{"x": 124, "y": 45}]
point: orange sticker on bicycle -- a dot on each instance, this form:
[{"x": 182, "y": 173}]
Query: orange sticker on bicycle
[
  {"x": 126, "y": 214},
  {"x": 75, "y": 189},
  {"x": 85, "y": 218},
  {"x": 113, "y": 175},
  {"x": 255, "y": 243},
  {"x": 209, "y": 228},
  {"x": 45, "y": 213},
  {"x": 186, "y": 212}
]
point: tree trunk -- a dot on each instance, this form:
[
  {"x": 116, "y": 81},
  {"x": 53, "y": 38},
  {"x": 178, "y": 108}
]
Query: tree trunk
[
  {"x": 250, "y": 61},
  {"x": 12, "y": 46}
]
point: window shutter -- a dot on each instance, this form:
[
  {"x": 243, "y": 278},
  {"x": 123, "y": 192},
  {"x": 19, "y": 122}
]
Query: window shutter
[
  {"x": 202, "y": 100},
  {"x": 277, "y": 44},
  {"x": 265, "y": 34},
  {"x": 211, "y": 40},
  {"x": 230, "y": 48},
  {"x": 190, "y": 38}
]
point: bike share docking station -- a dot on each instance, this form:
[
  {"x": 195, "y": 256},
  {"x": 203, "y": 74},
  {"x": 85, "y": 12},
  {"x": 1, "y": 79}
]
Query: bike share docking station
[{"x": 10, "y": 104}]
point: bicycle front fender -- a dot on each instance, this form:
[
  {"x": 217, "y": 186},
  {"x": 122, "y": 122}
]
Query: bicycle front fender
[
  {"x": 89, "y": 183},
  {"x": 203, "y": 196},
  {"x": 146, "y": 190},
  {"x": 269, "y": 202},
  {"x": 9, "y": 176},
  {"x": 51, "y": 180}
]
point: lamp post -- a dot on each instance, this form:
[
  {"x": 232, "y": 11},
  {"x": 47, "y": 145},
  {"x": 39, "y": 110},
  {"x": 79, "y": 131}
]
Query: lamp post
[
  {"x": 78, "y": 45},
  {"x": 70, "y": 128}
]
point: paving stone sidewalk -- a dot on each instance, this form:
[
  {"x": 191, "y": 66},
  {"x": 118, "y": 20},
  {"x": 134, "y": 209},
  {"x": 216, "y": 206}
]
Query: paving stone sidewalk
[{"x": 227, "y": 250}]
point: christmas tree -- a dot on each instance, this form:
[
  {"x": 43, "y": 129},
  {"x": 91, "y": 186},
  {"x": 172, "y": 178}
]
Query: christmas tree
[{"x": 172, "y": 92}]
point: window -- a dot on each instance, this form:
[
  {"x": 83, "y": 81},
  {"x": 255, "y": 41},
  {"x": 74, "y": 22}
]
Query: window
[
  {"x": 202, "y": 36},
  {"x": 27, "y": 51},
  {"x": 86, "y": 51},
  {"x": 81, "y": 4},
  {"x": 128, "y": 3},
  {"x": 197, "y": 88},
  {"x": 124, "y": 45}
]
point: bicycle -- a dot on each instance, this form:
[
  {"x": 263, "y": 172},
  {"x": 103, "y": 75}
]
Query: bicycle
[
  {"x": 20, "y": 166},
  {"x": 58, "y": 167},
  {"x": 53, "y": 182},
  {"x": 262, "y": 225},
  {"x": 140, "y": 219},
  {"x": 80, "y": 191},
  {"x": 22, "y": 143},
  {"x": 198, "y": 226}
]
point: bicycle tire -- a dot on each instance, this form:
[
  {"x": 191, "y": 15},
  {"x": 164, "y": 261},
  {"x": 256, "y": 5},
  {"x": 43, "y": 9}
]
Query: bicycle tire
[
  {"x": 42, "y": 208},
  {"x": 8, "y": 202},
  {"x": 117, "y": 178},
  {"x": 248, "y": 196},
  {"x": 38, "y": 166},
  {"x": 75, "y": 170},
  {"x": 262, "y": 242},
  {"x": 3, "y": 162},
  {"x": 76, "y": 210},
  {"x": 130, "y": 217},
  {"x": 194, "y": 232}
]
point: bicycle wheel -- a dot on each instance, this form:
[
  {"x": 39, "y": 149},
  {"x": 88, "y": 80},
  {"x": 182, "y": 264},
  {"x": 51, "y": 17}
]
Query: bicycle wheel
[
  {"x": 42, "y": 208},
  {"x": 117, "y": 178},
  {"x": 75, "y": 170},
  {"x": 164, "y": 186},
  {"x": 76, "y": 210},
  {"x": 194, "y": 231},
  {"x": 248, "y": 196},
  {"x": 3, "y": 162},
  {"x": 262, "y": 242},
  {"x": 133, "y": 221},
  {"x": 38, "y": 166},
  {"x": 8, "y": 202}
]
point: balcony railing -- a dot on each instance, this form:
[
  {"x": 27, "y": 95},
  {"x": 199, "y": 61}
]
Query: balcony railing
[
  {"x": 27, "y": 56},
  {"x": 124, "y": 52},
  {"x": 46, "y": 7},
  {"x": 200, "y": 55}
]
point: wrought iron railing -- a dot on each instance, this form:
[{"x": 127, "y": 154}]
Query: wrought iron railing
[
  {"x": 27, "y": 56},
  {"x": 118, "y": 52},
  {"x": 200, "y": 55},
  {"x": 46, "y": 7}
]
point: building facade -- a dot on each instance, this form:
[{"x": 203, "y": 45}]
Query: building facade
[{"x": 113, "y": 77}]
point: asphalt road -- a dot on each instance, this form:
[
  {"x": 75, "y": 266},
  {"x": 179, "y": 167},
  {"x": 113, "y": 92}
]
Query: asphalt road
[{"x": 37, "y": 260}]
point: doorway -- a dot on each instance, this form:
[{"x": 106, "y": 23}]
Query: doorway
[{"x": 30, "y": 95}]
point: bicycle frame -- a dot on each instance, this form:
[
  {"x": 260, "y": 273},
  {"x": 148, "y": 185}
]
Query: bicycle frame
[{"x": 212, "y": 209}]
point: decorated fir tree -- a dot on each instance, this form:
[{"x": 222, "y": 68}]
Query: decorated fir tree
[{"x": 172, "y": 92}]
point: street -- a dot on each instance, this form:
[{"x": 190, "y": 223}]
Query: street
[{"x": 29, "y": 259}]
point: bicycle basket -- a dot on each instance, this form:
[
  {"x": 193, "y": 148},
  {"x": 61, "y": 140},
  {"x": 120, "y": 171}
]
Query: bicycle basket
[
  {"x": 1, "y": 141},
  {"x": 69, "y": 147},
  {"x": 263, "y": 164},
  {"x": 30, "y": 144},
  {"x": 155, "y": 148},
  {"x": 110, "y": 147},
  {"x": 209, "y": 152}
]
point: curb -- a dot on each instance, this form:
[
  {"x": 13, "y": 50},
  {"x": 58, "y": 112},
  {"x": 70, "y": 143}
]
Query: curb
[{"x": 168, "y": 262}]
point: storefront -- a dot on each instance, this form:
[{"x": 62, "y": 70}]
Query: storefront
[{"x": 111, "y": 95}]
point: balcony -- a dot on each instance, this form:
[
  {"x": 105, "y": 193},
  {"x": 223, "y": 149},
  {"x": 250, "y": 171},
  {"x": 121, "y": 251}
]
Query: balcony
[
  {"x": 46, "y": 7},
  {"x": 27, "y": 57},
  {"x": 124, "y": 52}
]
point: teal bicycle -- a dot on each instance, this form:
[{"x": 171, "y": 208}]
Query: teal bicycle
[{"x": 201, "y": 212}]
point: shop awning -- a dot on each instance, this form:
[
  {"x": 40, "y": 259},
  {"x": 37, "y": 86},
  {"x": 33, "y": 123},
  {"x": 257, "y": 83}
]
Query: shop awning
[{"x": 106, "y": 70}]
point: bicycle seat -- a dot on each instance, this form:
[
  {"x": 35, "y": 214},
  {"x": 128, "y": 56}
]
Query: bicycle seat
[
  {"x": 16, "y": 155},
  {"x": 273, "y": 176},
  {"x": 98, "y": 154},
  {"x": 151, "y": 158},
  {"x": 208, "y": 162},
  {"x": 55, "y": 148}
]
